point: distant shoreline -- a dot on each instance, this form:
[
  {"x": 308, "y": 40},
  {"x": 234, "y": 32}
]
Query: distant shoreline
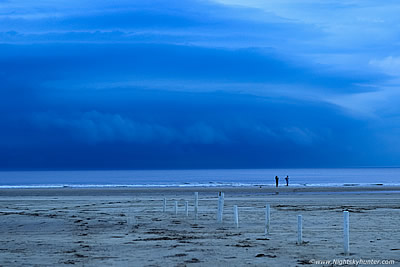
[
  {"x": 216, "y": 178},
  {"x": 89, "y": 191}
]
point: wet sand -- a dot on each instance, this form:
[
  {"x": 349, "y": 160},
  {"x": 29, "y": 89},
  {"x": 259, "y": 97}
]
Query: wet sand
[{"x": 126, "y": 226}]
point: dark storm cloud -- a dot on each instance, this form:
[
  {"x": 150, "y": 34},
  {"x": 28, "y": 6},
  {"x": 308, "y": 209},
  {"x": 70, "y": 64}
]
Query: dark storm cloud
[
  {"x": 115, "y": 62},
  {"x": 183, "y": 130},
  {"x": 172, "y": 84}
]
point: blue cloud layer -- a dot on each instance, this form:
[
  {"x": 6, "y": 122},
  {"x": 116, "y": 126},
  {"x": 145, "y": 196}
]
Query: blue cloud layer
[{"x": 195, "y": 84}]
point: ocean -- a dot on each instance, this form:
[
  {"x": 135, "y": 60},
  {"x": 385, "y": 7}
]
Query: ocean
[{"x": 211, "y": 178}]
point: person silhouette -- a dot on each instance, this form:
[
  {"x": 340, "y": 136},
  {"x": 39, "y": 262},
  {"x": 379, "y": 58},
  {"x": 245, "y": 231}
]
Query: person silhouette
[
  {"x": 276, "y": 181},
  {"x": 287, "y": 180}
]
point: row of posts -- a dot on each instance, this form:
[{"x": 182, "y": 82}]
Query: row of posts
[
  {"x": 220, "y": 212},
  {"x": 196, "y": 206}
]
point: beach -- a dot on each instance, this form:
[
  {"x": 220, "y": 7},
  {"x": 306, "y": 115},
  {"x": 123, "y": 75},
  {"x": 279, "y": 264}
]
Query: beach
[{"x": 127, "y": 226}]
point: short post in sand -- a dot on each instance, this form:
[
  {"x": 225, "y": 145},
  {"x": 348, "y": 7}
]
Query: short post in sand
[
  {"x": 130, "y": 218},
  {"x": 176, "y": 207},
  {"x": 267, "y": 219},
  {"x": 196, "y": 205},
  {"x": 165, "y": 205},
  {"x": 299, "y": 229},
  {"x": 346, "y": 238},
  {"x": 187, "y": 208},
  {"x": 236, "y": 215},
  {"x": 220, "y": 207}
]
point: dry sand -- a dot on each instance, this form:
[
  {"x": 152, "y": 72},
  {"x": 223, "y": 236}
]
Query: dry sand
[{"x": 126, "y": 227}]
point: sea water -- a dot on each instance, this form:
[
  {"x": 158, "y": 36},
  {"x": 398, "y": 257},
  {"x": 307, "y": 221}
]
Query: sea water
[{"x": 211, "y": 178}]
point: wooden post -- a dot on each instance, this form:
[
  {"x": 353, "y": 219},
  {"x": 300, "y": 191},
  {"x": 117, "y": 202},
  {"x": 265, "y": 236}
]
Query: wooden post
[
  {"x": 165, "y": 205},
  {"x": 187, "y": 208},
  {"x": 299, "y": 229},
  {"x": 196, "y": 205},
  {"x": 267, "y": 219},
  {"x": 220, "y": 207},
  {"x": 176, "y": 207},
  {"x": 346, "y": 237},
  {"x": 236, "y": 215}
]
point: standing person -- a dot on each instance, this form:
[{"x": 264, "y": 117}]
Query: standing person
[
  {"x": 276, "y": 181},
  {"x": 287, "y": 180}
]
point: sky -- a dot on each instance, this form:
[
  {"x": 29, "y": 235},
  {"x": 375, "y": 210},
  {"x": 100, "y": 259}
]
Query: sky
[{"x": 199, "y": 84}]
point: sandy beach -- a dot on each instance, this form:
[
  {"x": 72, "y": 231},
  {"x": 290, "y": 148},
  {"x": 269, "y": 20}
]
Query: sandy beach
[{"x": 126, "y": 227}]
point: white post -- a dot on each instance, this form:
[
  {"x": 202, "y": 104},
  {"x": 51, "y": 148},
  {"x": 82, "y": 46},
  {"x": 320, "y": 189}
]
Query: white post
[
  {"x": 187, "y": 208},
  {"x": 267, "y": 219},
  {"x": 130, "y": 219},
  {"x": 236, "y": 215},
  {"x": 176, "y": 207},
  {"x": 346, "y": 233},
  {"x": 196, "y": 205},
  {"x": 165, "y": 205},
  {"x": 299, "y": 230},
  {"x": 220, "y": 207}
]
